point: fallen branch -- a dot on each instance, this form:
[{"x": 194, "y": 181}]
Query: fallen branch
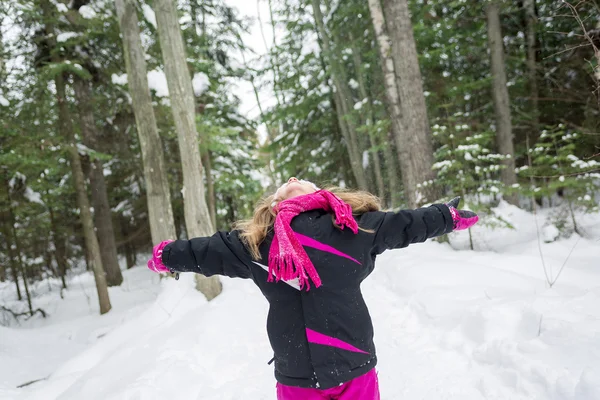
[
  {"x": 16, "y": 315},
  {"x": 31, "y": 382}
]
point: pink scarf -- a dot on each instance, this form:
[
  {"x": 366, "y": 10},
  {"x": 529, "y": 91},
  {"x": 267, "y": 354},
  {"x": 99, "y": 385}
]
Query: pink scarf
[{"x": 287, "y": 258}]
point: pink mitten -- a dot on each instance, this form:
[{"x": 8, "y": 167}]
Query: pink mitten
[
  {"x": 462, "y": 219},
  {"x": 155, "y": 263}
]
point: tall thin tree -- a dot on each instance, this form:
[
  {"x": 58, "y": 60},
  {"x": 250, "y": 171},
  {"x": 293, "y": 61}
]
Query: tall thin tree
[
  {"x": 12, "y": 242},
  {"x": 368, "y": 118},
  {"x": 102, "y": 210},
  {"x": 91, "y": 240},
  {"x": 404, "y": 96},
  {"x": 197, "y": 217},
  {"x": 531, "y": 21},
  {"x": 160, "y": 211},
  {"x": 504, "y": 134},
  {"x": 343, "y": 98},
  {"x": 65, "y": 128}
]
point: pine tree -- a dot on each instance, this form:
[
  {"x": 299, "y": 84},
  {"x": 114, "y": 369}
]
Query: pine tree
[{"x": 558, "y": 170}]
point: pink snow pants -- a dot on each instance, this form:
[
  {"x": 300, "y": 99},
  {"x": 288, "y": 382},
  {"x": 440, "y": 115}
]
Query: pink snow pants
[{"x": 364, "y": 387}]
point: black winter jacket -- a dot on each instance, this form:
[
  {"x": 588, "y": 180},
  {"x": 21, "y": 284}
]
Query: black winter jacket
[{"x": 321, "y": 337}]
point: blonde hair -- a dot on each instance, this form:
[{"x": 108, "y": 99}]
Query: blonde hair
[{"x": 254, "y": 231}]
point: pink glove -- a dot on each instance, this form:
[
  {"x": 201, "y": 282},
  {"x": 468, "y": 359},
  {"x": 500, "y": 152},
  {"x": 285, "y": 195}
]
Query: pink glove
[
  {"x": 462, "y": 219},
  {"x": 155, "y": 263}
]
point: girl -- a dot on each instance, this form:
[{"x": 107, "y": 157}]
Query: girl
[{"x": 308, "y": 250}]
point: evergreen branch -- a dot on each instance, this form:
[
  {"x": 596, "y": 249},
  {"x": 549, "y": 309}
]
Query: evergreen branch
[
  {"x": 565, "y": 175},
  {"x": 581, "y": 129}
]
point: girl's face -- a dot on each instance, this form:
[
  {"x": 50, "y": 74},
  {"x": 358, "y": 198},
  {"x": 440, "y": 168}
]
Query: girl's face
[{"x": 293, "y": 188}]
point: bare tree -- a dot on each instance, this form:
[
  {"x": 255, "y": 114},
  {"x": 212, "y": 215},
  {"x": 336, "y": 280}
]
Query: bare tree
[
  {"x": 160, "y": 212},
  {"x": 197, "y": 217},
  {"x": 504, "y": 134}
]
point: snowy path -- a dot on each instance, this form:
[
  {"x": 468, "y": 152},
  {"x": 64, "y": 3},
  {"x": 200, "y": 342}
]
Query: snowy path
[{"x": 448, "y": 324}]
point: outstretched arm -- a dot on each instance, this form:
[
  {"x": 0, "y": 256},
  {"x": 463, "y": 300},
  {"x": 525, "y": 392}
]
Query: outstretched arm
[
  {"x": 399, "y": 229},
  {"x": 394, "y": 230},
  {"x": 220, "y": 254}
]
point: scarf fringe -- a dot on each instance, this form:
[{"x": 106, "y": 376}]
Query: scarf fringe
[
  {"x": 287, "y": 258},
  {"x": 284, "y": 268}
]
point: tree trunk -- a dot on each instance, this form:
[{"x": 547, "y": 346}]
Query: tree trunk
[
  {"x": 392, "y": 169},
  {"x": 529, "y": 6},
  {"x": 48, "y": 259},
  {"x": 369, "y": 120},
  {"x": 13, "y": 260},
  {"x": 197, "y": 217},
  {"x": 504, "y": 136},
  {"x": 2, "y": 55},
  {"x": 274, "y": 54},
  {"x": 16, "y": 255},
  {"x": 160, "y": 212},
  {"x": 3, "y": 269},
  {"x": 102, "y": 211},
  {"x": 3, "y": 272},
  {"x": 128, "y": 248},
  {"x": 230, "y": 209},
  {"x": 343, "y": 100},
  {"x": 59, "y": 249},
  {"x": 7, "y": 232},
  {"x": 401, "y": 65},
  {"x": 210, "y": 188},
  {"x": 91, "y": 241},
  {"x": 391, "y": 90}
]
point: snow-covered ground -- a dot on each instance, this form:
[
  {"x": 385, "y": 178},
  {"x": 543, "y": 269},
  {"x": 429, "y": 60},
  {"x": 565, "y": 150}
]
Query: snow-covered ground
[{"x": 449, "y": 325}]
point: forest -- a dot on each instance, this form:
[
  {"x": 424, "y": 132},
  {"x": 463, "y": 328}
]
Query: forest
[{"x": 121, "y": 126}]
